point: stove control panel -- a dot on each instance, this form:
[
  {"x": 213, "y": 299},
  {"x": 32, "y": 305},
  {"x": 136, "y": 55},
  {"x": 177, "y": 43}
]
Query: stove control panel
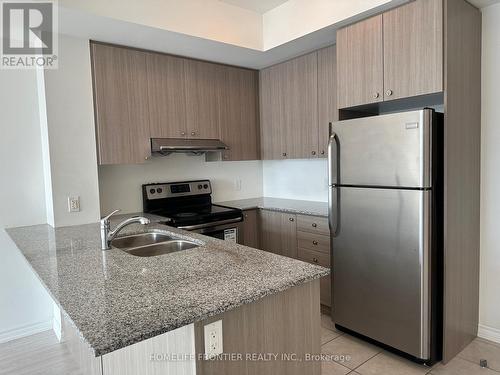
[{"x": 176, "y": 189}]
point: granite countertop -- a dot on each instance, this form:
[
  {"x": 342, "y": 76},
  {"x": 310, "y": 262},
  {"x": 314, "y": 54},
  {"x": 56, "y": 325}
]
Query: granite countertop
[
  {"x": 116, "y": 299},
  {"x": 312, "y": 208}
]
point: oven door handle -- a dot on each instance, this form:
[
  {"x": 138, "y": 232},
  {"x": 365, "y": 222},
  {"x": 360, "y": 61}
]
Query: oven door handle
[{"x": 211, "y": 224}]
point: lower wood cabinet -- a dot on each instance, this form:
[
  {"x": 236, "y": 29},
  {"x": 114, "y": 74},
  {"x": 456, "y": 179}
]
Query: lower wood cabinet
[
  {"x": 278, "y": 233},
  {"x": 301, "y": 237},
  {"x": 250, "y": 235},
  {"x": 313, "y": 240}
]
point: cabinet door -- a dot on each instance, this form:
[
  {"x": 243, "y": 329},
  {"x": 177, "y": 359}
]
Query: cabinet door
[
  {"x": 166, "y": 95},
  {"x": 121, "y": 105},
  {"x": 202, "y": 81},
  {"x": 251, "y": 235},
  {"x": 278, "y": 233},
  {"x": 300, "y": 93},
  {"x": 272, "y": 112},
  {"x": 239, "y": 124},
  {"x": 289, "y": 235},
  {"x": 270, "y": 224},
  {"x": 360, "y": 77},
  {"x": 327, "y": 95},
  {"x": 413, "y": 49}
]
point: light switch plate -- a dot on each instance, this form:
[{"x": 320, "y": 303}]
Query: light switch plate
[
  {"x": 74, "y": 204},
  {"x": 237, "y": 184},
  {"x": 213, "y": 339}
]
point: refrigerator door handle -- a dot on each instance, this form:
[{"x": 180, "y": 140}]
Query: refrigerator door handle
[
  {"x": 333, "y": 158},
  {"x": 334, "y": 211},
  {"x": 333, "y": 179}
]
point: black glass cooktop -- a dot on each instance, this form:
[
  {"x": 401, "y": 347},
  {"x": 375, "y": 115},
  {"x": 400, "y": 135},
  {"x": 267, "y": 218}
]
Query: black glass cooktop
[{"x": 187, "y": 216}]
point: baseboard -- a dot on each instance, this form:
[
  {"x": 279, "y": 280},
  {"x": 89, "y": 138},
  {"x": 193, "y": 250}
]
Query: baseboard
[
  {"x": 489, "y": 333},
  {"x": 27, "y": 330}
]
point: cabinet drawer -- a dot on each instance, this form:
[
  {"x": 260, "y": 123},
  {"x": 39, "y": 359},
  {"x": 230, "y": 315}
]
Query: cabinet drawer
[
  {"x": 313, "y": 224},
  {"x": 316, "y": 242},
  {"x": 314, "y": 257}
]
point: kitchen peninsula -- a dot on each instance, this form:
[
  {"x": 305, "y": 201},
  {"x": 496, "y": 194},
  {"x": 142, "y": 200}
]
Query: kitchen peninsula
[{"x": 122, "y": 311}]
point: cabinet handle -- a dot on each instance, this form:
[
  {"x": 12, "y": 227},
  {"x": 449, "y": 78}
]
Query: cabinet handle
[
  {"x": 146, "y": 158},
  {"x": 315, "y": 260},
  {"x": 313, "y": 152},
  {"x": 388, "y": 92},
  {"x": 376, "y": 95},
  {"x": 290, "y": 218},
  {"x": 193, "y": 133},
  {"x": 183, "y": 133},
  {"x": 322, "y": 152},
  {"x": 314, "y": 225},
  {"x": 315, "y": 243},
  {"x": 284, "y": 154}
]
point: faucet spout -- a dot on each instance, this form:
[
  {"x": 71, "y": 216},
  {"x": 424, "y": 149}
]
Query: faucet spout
[{"x": 107, "y": 235}]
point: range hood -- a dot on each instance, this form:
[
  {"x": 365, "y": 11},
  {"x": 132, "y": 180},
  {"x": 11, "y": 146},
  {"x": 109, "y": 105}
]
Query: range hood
[{"x": 166, "y": 146}]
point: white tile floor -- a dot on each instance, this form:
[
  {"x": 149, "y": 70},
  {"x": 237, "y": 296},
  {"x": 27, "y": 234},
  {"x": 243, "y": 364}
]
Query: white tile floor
[
  {"x": 367, "y": 359},
  {"x": 23, "y": 357}
]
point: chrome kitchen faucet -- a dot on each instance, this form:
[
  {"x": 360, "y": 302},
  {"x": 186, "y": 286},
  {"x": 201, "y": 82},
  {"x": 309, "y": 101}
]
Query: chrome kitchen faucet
[{"x": 107, "y": 235}]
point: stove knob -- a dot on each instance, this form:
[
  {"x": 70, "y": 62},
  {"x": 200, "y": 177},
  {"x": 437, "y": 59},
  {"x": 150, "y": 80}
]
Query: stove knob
[
  {"x": 159, "y": 190},
  {"x": 200, "y": 186},
  {"x": 152, "y": 191},
  {"x": 205, "y": 186}
]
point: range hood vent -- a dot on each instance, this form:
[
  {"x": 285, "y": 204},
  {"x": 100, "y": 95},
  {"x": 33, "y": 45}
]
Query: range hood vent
[{"x": 166, "y": 146}]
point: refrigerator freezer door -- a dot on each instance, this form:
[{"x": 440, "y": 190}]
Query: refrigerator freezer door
[
  {"x": 391, "y": 150},
  {"x": 380, "y": 258}
]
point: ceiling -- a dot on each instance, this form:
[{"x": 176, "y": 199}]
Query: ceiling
[
  {"x": 483, "y": 3},
  {"x": 104, "y": 26},
  {"x": 259, "y": 6}
]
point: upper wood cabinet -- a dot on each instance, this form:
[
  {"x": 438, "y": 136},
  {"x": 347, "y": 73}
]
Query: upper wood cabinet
[
  {"x": 202, "y": 82},
  {"x": 239, "y": 113},
  {"x": 360, "y": 69},
  {"x": 272, "y": 112},
  {"x": 327, "y": 95},
  {"x": 301, "y": 107},
  {"x": 166, "y": 95},
  {"x": 398, "y": 54},
  {"x": 140, "y": 95},
  {"x": 413, "y": 49},
  {"x": 121, "y": 107},
  {"x": 289, "y": 109}
]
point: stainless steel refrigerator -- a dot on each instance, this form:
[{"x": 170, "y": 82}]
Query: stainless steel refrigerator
[{"x": 385, "y": 215}]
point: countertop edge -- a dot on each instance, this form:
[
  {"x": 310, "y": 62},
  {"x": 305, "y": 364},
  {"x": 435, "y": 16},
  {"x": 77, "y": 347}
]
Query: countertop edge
[{"x": 261, "y": 204}]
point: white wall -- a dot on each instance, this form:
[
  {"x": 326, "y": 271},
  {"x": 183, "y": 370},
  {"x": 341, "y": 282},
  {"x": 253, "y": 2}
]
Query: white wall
[
  {"x": 70, "y": 134},
  {"x": 25, "y": 307},
  {"x": 296, "y": 179},
  {"x": 490, "y": 176},
  {"x": 296, "y": 18},
  {"x": 120, "y": 185},
  {"x": 213, "y": 20}
]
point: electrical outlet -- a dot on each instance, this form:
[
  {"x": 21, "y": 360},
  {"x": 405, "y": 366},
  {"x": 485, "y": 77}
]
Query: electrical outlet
[
  {"x": 74, "y": 204},
  {"x": 213, "y": 339}
]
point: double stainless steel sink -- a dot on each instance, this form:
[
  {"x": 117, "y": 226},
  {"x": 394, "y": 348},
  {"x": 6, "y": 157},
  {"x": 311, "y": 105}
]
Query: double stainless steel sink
[{"x": 151, "y": 244}]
